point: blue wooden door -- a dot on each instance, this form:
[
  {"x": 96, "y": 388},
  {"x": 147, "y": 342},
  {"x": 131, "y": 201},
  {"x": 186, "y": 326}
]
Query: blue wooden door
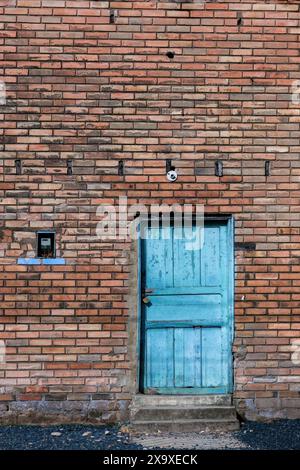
[{"x": 188, "y": 312}]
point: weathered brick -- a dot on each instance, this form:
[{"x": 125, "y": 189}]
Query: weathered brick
[{"x": 83, "y": 89}]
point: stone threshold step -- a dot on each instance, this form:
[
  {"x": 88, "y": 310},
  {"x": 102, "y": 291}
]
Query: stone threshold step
[
  {"x": 185, "y": 407},
  {"x": 163, "y": 413},
  {"x": 191, "y": 425},
  {"x": 182, "y": 400}
]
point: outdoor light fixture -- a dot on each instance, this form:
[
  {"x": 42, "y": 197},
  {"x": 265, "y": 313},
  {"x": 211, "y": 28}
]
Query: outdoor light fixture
[{"x": 172, "y": 176}]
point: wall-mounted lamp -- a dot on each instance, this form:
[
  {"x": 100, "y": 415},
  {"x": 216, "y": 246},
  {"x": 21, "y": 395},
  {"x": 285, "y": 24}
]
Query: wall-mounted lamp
[{"x": 169, "y": 165}]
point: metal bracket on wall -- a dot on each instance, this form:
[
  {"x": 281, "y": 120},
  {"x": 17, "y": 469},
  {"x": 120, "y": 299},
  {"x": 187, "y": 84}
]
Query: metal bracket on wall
[
  {"x": 121, "y": 168},
  {"x": 69, "y": 167},
  {"x": 112, "y": 16},
  {"x": 219, "y": 168},
  {"x": 245, "y": 246},
  {"x": 169, "y": 166},
  {"x": 18, "y": 164}
]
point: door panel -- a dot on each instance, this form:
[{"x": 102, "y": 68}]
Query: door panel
[
  {"x": 187, "y": 357},
  {"x": 204, "y": 308},
  {"x": 212, "y": 350},
  {"x": 187, "y": 265},
  {"x": 187, "y": 320},
  {"x": 159, "y": 259},
  {"x": 160, "y": 360}
]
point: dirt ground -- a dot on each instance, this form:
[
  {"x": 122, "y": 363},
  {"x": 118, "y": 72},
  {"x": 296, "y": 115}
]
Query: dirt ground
[{"x": 283, "y": 434}]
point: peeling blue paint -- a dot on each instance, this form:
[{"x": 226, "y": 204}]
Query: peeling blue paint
[
  {"x": 54, "y": 261},
  {"x": 187, "y": 321},
  {"x": 29, "y": 261}
]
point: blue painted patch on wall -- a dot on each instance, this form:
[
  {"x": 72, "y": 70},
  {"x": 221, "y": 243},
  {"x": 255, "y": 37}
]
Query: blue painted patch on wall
[{"x": 38, "y": 261}]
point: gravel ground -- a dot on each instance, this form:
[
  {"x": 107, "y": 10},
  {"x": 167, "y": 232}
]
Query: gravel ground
[
  {"x": 281, "y": 434},
  {"x": 65, "y": 437}
]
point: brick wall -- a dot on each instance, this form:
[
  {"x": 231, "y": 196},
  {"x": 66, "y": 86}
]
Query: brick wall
[{"x": 82, "y": 86}]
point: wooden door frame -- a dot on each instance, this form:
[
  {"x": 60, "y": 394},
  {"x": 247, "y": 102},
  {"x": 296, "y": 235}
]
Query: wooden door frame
[{"x": 138, "y": 350}]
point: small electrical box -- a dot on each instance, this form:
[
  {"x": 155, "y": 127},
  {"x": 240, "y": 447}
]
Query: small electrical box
[{"x": 46, "y": 245}]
